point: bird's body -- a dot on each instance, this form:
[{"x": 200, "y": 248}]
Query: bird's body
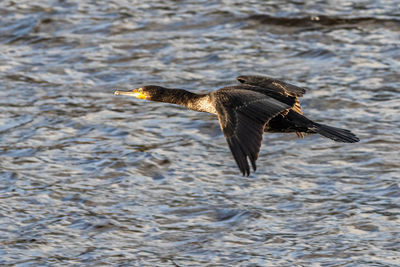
[{"x": 245, "y": 111}]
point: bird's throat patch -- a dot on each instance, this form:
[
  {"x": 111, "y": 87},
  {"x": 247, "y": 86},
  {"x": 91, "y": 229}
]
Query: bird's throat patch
[{"x": 139, "y": 94}]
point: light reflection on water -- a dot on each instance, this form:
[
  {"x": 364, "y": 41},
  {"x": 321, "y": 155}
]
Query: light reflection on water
[{"x": 89, "y": 178}]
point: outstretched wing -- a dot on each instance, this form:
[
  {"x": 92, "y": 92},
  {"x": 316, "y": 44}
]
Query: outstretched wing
[
  {"x": 242, "y": 116},
  {"x": 278, "y": 86},
  {"x": 272, "y": 84}
]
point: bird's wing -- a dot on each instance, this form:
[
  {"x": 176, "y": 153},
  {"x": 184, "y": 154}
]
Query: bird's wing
[
  {"x": 242, "y": 116},
  {"x": 272, "y": 93},
  {"x": 272, "y": 84}
]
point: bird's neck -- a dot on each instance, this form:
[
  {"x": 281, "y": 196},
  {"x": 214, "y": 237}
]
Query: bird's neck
[{"x": 197, "y": 102}]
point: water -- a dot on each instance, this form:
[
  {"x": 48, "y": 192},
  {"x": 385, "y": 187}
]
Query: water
[{"x": 87, "y": 178}]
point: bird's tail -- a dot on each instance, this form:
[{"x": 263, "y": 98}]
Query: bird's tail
[
  {"x": 336, "y": 134},
  {"x": 308, "y": 126}
]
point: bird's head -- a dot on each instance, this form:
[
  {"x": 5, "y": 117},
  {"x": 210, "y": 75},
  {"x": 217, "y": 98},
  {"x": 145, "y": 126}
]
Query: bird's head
[{"x": 148, "y": 92}]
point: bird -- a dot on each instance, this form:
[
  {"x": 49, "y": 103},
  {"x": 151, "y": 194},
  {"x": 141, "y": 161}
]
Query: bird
[{"x": 256, "y": 105}]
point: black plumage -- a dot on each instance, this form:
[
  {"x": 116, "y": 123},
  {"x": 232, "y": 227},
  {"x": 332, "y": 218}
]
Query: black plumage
[{"x": 245, "y": 111}]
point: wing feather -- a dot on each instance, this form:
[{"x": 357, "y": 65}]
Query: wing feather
[
  {"x": 242, "y": 115},
  {"x": 271, "y": 83},
  {"x": 283, "y": 88}
]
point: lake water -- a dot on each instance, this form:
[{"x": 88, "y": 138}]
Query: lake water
[{"x": 88, "y": 178}]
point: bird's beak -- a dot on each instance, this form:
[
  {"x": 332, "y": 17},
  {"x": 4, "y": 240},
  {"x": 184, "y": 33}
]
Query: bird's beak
[{"x": 134, "y": 93}]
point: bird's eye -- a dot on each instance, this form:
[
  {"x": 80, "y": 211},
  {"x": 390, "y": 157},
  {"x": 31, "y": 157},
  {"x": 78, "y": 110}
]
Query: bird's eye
[{"x": 140, "y": 90}]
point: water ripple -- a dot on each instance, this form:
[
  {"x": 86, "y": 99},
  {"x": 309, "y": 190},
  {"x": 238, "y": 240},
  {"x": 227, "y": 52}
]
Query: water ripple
[{"x": 89, "y": 178}]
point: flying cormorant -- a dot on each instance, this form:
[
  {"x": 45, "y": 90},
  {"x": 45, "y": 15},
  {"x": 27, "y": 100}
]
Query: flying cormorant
[{"x": 245, "y": 111}]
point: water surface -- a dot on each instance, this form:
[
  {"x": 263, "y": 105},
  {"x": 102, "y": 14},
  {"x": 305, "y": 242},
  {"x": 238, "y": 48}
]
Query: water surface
[{"x": 87, "y": 178}]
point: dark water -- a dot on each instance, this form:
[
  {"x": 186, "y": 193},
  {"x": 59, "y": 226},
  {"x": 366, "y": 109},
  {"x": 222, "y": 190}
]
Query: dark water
[{"x": 87, "y": 178}]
